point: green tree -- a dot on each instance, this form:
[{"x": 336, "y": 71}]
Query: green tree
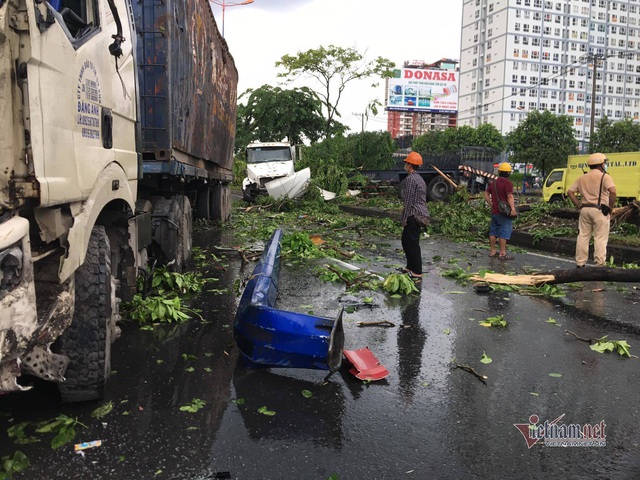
[
  {"x": 610, "y": 137},
  {"x": 428, "y": 142},
  {"x": 487, "y": 135},
  {"x": 333, "y": 68},
  {"x": 329, "y": 164},
  {"x": 369, "y": 151},
  {"x": 273, "y": 114},
  {"x": 544, "y": 140},
  {"x": 454, "y": 139}
]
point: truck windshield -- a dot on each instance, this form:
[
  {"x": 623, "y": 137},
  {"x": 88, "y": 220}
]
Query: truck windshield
[{"x": 269, "y": 154}]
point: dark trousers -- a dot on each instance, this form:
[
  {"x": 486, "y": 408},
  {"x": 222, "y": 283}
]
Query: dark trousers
[{"x": 411, "y": 245}]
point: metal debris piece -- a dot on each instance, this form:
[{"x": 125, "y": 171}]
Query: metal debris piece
[{"x": 365, "y": 364}]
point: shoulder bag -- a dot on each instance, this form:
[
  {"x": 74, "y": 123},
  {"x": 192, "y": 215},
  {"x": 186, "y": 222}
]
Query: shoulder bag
[
  {"x": 605, "y": 209},
  {"x": 503, "y": 207}
]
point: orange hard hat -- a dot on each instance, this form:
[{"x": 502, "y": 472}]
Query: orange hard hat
[{"x": 414, "y": 158}]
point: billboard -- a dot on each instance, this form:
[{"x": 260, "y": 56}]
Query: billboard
[{"x": 423, "y": 90}]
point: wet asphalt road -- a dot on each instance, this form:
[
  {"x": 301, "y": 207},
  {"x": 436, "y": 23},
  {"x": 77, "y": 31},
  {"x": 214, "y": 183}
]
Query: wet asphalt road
[{"x": 425, "y": 420}]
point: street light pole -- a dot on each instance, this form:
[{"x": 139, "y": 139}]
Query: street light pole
[{"x": 224, "y": 4}]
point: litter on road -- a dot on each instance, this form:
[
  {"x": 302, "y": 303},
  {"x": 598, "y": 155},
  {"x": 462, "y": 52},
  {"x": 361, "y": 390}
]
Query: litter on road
[
  {"x": 86, "y": 445},
  {"x": 365, "y": 365}
]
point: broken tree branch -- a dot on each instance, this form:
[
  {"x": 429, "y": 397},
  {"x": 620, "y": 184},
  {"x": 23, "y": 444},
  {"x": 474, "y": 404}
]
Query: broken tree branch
[
  {"x": 382, "y": 323},
  {"x": 588, "y": 340},
  {"x": 470, "y": 370},
  {"x": 451, "y": 182}
]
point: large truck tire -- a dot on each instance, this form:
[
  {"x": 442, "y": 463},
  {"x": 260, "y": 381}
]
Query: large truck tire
[
  {"x": 439, "y": 189},
  {"x": 87, "y": 341},
  {"x": 203, "y": 203},
  {"x": 172, "y": 229},
  {"x": 221, "y": 202},
  {"x": 250, "y": 193}
]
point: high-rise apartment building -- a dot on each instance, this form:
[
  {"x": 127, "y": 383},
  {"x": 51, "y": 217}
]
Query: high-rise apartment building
[
  {"x": 523, "y": 55},
  {"x": 407, "y": 123}
]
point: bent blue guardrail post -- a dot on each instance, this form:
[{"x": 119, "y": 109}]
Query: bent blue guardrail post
[{"x": 268, "y": 337}]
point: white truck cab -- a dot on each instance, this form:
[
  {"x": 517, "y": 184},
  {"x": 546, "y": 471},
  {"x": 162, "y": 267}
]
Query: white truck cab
[{"x": 270, "y": 161}]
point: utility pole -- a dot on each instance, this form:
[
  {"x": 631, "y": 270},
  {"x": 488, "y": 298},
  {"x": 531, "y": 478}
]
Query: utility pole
[{"x": 595, "y": 58}]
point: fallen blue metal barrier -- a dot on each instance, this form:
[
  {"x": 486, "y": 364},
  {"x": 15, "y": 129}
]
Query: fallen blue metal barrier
[{"x": 268, "y": 337}]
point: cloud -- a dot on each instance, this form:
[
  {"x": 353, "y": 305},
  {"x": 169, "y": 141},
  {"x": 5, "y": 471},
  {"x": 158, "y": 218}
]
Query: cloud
[{"x": 259, "y": 34}]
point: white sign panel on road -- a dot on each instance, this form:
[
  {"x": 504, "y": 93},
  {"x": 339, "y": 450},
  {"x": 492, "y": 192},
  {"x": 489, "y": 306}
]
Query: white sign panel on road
[{"x": 423, "y": 90}]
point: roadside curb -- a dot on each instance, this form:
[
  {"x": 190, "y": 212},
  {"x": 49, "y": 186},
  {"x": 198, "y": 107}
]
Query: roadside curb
[{"x": 565, "y": 246}]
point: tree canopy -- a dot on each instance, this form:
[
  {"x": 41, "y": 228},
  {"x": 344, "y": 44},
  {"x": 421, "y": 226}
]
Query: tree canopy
[
  {"x": 333, "y": 68},
  {"x": 544, "y": 140},
  {"x": 370, "y": 150},
  {"x": 336, "y": 159},
  {"x": 274, "y": 114},
  {"x": 610, "y": 137},
  {"x": 436, "y": 142}
]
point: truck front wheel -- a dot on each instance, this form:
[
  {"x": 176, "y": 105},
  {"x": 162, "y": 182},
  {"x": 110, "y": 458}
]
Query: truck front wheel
[
  {"x": 87, "y": 341},
  {"x": 438, "y": 189}
]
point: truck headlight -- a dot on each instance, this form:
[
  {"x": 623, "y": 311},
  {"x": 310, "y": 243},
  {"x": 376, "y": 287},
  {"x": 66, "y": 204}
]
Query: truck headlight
[{"x": 10, "y": 268}]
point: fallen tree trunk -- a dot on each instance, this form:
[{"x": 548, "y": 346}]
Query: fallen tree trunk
[
  {"x": 622, "y": 214},
  {"x": 564, "y": 276},
  {"x": 569, "y": 213},
  {"x": 451, "y": 182}
]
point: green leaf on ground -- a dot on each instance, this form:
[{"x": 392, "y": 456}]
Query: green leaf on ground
[
  {"x": 102, "y": 410},
  {"x": 16, "y": 463},
  {"x": 497, "y": 321},
  {"x": 195, "y": 405},
  {"x": 555, "y": 375},
  {"x": 485, "y": 359},
  {"x": 307, "y": 394},
  {"x": 265, "y": 411}
]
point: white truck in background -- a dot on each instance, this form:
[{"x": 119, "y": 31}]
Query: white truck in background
[{"x": 270, "y": 171}]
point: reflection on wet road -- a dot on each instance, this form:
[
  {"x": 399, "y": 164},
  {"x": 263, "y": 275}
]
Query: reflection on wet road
[{"x": 424, "y": 420}]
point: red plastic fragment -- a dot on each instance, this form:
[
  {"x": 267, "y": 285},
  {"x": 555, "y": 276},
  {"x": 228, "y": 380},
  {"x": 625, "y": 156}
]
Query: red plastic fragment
[{"x": 365, "y": 364}]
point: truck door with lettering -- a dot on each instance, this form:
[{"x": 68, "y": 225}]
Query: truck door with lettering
[{"x": 82, "y": 111}]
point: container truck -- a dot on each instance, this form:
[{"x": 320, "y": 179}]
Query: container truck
[
  {"x": 472, "y": 167},
  {"x": 116, "y": 118}
]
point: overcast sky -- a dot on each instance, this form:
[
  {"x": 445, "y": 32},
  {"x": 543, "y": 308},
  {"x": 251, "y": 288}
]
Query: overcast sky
[{"x": 259, "y": 34}]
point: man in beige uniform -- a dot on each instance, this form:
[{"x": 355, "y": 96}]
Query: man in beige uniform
[{"x": 596, "y": 189}]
